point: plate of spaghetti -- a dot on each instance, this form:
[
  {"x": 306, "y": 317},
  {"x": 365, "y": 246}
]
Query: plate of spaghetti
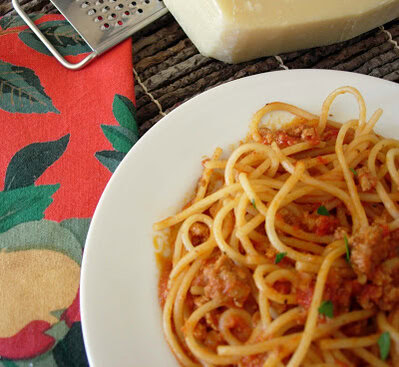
[{"x": 256, "y": 225}]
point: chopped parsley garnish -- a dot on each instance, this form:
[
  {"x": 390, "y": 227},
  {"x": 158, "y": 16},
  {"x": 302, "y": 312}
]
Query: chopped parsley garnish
[
  {"x": 384, "y": 343},
  {"x": 322, "y": 210},
  {"x": 279, "y": 257},
  {"x": 327, "y": 309},
  {"x": 348, "y": 251},
  {"x": 353, "y": 171},
  {"x": 253, "y": 203}
]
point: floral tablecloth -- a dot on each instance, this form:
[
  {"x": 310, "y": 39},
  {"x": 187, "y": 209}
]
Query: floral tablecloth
[{"x": 62, "y": 133}]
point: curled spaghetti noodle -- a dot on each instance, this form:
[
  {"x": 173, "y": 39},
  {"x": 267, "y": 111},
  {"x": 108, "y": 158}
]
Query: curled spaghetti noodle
[{"x": 288, "y": 253}]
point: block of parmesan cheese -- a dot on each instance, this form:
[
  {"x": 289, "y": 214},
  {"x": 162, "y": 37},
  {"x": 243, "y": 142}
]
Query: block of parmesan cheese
[{"x": 240, "y": 30}]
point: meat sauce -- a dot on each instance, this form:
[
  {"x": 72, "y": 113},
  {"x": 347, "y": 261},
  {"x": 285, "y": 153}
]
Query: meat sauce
[
  {"x": 371, "y": 250},
  {"x": 309, "y": 221},
  {"x": 225, "y": 281},
  {"x": 300, "y": 132}
]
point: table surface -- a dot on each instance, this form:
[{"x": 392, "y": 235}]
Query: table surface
[{"x": 168, "y": 69}]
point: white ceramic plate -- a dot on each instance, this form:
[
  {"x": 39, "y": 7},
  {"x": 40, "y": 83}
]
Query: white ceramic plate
[{"x": 120, "y": 312}]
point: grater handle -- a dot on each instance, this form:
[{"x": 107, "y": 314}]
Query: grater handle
[{"x": 48, "y": 44}]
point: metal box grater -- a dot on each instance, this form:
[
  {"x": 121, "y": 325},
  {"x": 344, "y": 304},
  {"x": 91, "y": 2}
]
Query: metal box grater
[{"x": 101, "y": 23}]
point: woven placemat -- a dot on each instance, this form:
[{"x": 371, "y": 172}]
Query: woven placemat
[{"x": 169, "y": 70}]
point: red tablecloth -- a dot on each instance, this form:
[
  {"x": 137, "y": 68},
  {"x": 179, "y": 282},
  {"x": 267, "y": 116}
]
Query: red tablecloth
[{"x": 61, "y": 134}]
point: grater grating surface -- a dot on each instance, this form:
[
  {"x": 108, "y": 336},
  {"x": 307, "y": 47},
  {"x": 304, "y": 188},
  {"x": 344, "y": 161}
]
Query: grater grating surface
[
  {"x": 105, "y": 23},
  {"x": 101, "y": 23}
]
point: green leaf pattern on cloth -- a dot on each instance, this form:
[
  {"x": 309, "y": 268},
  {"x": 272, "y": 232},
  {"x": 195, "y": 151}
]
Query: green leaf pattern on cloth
[
  {"x": 58, "y": 313},
  {"x": 21, "y": 91},
  {"x": 58, "y": 330},
  {"x": 79, "y": 227},
  {"x": 29, "y": 163},
  {"x": 8, "y": 363},
  {"x": 121, "y": 137},
  {"x": 110, "y": 158},
  {"x": 16, "y": 21},
  {"x": 43, "y": 234},
  {"x": 70, "y": 352},
  {"x": 24, "y": 204},
  {"x": 44, "y": 360},
  {"x": 125, "y": 113},
  {"x": 61, "y": 35}
]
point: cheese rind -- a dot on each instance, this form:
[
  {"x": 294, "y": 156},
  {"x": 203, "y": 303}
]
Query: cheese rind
[{"x": 240, "y": 30}]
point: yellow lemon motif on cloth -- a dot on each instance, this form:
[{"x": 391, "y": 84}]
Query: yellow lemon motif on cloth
[
  {"x": 30, "y": 287},
  {"x": 39, "y": 273}
]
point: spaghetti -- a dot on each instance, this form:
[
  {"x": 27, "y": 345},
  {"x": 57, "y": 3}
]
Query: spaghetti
[{"x": 288, "y": 254}]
